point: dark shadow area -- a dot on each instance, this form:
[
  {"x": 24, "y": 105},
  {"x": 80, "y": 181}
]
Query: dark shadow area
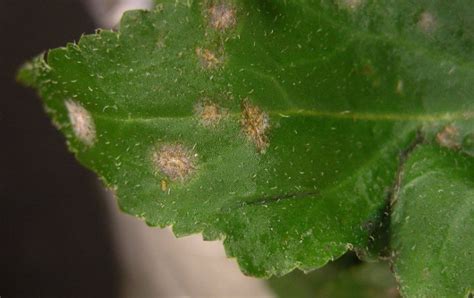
[
  {"x": 54, "y": 233},
  {"x": 344, "y": 277}
]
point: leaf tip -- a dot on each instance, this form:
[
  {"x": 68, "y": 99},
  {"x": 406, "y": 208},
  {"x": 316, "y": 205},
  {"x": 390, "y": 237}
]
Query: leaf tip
[{"x": 28, "y": 74}]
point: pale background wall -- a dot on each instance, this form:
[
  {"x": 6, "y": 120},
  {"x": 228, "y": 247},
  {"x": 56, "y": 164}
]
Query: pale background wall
[{"x": 107, "y": 13}]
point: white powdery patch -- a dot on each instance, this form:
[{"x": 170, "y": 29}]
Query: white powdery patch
[{"x": 81, "y": 121}]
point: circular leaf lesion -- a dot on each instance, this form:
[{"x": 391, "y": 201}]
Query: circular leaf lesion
[
  {"x": 255, "y": 125},
  {"x": 176, "y": 161}
]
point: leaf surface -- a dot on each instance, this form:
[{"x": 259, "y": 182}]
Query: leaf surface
[
  {"x": 432, "y": 225},
  {"x": 275, "y": 125},
  {"x": 342, "y": 278}
]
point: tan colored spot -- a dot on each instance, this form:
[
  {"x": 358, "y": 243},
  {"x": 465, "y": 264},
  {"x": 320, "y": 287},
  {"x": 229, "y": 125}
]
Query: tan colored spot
[
  {"x": 255, "y": 124},
  {"x": 350, "y": 4},
  {"x": 209, "y": 113},
  {"x": 427, "y": 22},
  {"x": 208, "y": 59},
  {"x": 175, "y": 161},
  {"x": 222, "y": 16},
  {"x": 449, "y": 137},
  {"x": 399, "y": 87},
  {"x": 160, "y": 44},
  {"x": 81, "y": 121}
]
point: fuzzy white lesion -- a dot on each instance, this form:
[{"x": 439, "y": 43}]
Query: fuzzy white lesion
[
  {"x": 82, "y": 122},
  {"x": 208, "y": 59},
  {"x": 222, "y": 16},
  {"x": 175, "y": 161},
  {"x": 209, "y": 113}
]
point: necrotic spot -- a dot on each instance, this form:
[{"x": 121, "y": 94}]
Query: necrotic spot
[
  {"x": 222, "y": 16},
  {"x": 81, "y": 121},
  {"x": 209, "y": 113},
  {"x": 208, "y": 59},
  {"x": 427, "y": 22},
  {"x": 255, "y": 124},
  {"x": 449, "y": 137},
  {"x": 175, "y": 161}
]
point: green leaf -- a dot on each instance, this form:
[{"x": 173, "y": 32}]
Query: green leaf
[
  {"x": 432, "y": 221},
  {"x": 275, "y": 125}
]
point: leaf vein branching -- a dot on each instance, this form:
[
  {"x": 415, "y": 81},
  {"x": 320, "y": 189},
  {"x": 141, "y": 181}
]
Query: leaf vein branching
[{"x": 284, "y": 95}]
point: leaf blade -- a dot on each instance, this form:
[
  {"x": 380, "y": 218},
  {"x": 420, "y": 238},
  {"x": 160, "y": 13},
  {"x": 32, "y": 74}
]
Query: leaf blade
[
  {"x": 341, "y": 103},
  {"x": 431, "y": 225}
]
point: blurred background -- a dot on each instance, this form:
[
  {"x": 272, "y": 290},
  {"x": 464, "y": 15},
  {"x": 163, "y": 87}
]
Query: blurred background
[{"x": 61, "y": 233}]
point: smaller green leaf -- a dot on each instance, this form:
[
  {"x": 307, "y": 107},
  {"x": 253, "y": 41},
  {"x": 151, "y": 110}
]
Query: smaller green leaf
[
  {"x": 346, "y": 277},
  {"x": 432, "y": 224}
]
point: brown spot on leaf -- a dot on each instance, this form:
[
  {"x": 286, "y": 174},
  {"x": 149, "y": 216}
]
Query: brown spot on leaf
[
  {"x": 449, "y": 137},
  {"x": 222, "y": 16},
  {"x": 255, "y": 124},
  {"x": 209, "y": 113},
  {"x": 427, "y": 22},
  {"x": 175, "y": 161},
  {"x": 367, "y": 70},
  {"x": 208, "y": 59}
]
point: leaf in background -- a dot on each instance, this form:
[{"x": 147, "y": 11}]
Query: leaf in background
[
  {"x": 275, "y": 125},
  {"x": 346, "y": 277},
  {"x": 432, "y": 222}
]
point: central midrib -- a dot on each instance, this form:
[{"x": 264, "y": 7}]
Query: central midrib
[{"x": 344, "y": 115}]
